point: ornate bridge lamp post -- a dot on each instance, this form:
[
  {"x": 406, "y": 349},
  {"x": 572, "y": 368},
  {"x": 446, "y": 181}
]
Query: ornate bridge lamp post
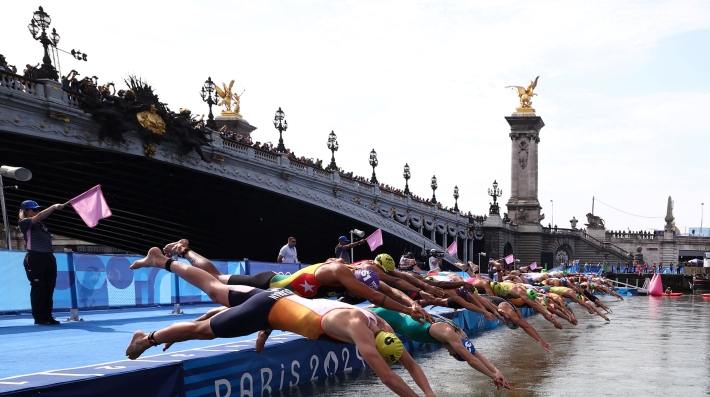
[
  {"x": 333, "y": 146},
  {"x": 495, "y": 193},
  {"x": 280, "y": 124},
  {"x": 407, "y": 175},
  {"x": 456, "y": 197},
  {"x": 373, "y": 163},
  {"x": 433, "y": 189},
  {"x": 41, "y": 21},
  {"x": 212, "y": 99}
]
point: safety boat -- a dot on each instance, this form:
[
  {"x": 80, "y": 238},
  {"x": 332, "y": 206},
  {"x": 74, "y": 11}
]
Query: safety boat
[{"x": 701, "y": 282}]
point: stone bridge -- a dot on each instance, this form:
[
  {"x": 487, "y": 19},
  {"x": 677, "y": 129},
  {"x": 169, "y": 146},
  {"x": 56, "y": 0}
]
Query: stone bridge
[{"x": 245, "y": 203}]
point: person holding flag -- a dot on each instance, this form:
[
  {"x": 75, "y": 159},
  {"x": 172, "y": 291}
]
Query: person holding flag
[{"x": 40, "y": 263}]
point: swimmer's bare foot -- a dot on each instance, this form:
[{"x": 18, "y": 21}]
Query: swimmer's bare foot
[
  {"x": 155, "y": 258},
  {"x": 176, "y": 248},
  {"x": 138, "y": 345}
]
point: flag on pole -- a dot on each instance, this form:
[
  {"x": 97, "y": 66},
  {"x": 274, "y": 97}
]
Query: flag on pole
[
  {"x": 509, "y": 259},
  {"x": 453, "y": 249},
  {"x": 91, "y": 206},
  {"x": 375, "y": 239},
  {"x": 533, "y": 266}
]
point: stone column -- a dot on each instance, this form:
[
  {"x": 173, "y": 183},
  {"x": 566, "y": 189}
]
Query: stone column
[{"x": 523, "y": 205}]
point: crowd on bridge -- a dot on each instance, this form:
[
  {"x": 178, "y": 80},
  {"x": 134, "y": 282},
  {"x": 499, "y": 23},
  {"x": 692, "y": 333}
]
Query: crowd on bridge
[
  {"x": 228, "y": 135},
  {"x": 260, "y": 303}
]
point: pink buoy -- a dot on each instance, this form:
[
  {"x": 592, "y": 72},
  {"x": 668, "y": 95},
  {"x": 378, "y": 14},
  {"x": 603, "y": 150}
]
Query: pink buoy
[{"x": 655, "y": 287}]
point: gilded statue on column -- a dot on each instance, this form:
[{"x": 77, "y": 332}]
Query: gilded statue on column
[
  {"x": 525, "y": 95},
  {"x": 229, "y": 100}
]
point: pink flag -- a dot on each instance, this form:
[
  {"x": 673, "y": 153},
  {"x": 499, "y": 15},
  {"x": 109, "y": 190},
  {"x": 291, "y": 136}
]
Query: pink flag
[
  {"x": 533, "y": 266},
  {"x": 509, "y": 259},
  {"x": 453, "y": 249},
  {"x": 91, "y": 206},
  {"x": 375, "y": 239}
]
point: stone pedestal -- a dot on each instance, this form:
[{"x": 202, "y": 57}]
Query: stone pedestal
[
  {"x": 234, "y": 124},
  {"x": 597, "y": 233},
  {"x": 523, "y": 205}
]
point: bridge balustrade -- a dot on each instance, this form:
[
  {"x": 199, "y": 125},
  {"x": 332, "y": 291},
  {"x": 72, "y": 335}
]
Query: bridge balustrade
[{"x": 20, "y": 84}]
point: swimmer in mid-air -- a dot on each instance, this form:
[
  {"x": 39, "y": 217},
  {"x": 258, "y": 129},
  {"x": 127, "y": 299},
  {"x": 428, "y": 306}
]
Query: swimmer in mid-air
[
  {"x": 323, "y": 319},
  {"x": 447, "y": 332},
  {"x": 311, "y": 282}
]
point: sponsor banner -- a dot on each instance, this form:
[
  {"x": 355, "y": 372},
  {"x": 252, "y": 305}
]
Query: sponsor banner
[{"x": 287, "y": 361}]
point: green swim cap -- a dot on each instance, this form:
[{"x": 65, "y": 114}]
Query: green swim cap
[
  {"x": 531, "y": 293},
  {"x": 389, "y": 346}
]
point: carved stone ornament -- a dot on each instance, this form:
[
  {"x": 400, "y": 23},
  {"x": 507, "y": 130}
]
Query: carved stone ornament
[
  {"x": 521, "y": 216},
  {"x": 523, "y": 153},
  {"x": 594, "y": 222}
]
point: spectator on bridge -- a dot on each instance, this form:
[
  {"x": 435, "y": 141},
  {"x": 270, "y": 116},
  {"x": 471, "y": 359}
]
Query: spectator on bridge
[
  {"x": 618, "y": 267},
  {"x": 4, "y": 66},
  {"x": 40, "y": 263},
  {"x": 654, "y": 267},
  {"x": 679, "y": 268},
  {"x": 341, "y": 250},
  {"x": 288, "y": 253}
]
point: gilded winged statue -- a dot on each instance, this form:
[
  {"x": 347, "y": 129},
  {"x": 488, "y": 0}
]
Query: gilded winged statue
[
  {"x": 229, "y": 99},
  {"x": 525, "y": 95},
  {"x": 226, "y": 96}
]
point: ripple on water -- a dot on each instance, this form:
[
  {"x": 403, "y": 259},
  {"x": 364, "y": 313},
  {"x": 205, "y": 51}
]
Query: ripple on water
[{"x": 652, "y": 347}]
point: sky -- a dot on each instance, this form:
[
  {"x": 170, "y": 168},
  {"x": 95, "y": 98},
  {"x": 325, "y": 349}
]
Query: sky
[{"x": 622, "y": 88}]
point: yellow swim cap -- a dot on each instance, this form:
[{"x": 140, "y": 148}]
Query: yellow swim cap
[
  {"x": 385, "y": 262},
  {"x": 389, "y": 346}
]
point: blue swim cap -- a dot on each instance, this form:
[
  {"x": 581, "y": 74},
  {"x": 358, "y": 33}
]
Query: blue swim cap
[
  {"x": 367, "y": 277},
  {"x": 469, "y": 346}
]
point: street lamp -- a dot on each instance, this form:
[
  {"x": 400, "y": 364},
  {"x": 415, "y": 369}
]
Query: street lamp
[
  {"x": 19, "y": 173},
  {"x": 333, "y": 146},
  {"x": 552, "y": 220},
  {"x": 456, "y": 197},
  {"x": 212, "y": 99},
  {"x": 433, "y": 189},
  {"x": 78, "y": 55},
  {"x": 495, "y": 193},
  {"x": 373, "y": 163},
  {"x": 41, "y": 21},
  {"x": 480, "y": 265},
  {"x": 406, "y": 175},
  {"x": 280, "y": 124}
]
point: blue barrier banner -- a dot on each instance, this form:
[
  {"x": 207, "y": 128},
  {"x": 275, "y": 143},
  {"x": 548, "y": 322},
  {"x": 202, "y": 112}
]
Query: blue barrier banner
[
  {"x": 278, "y": 268},
  {"x": 14, "y": 283},
  {"x": 86, "y": 281},
  {"x": 246, "y": 373}
]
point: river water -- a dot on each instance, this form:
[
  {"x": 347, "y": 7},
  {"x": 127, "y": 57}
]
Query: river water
[{"x": 654, "y": 346}]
